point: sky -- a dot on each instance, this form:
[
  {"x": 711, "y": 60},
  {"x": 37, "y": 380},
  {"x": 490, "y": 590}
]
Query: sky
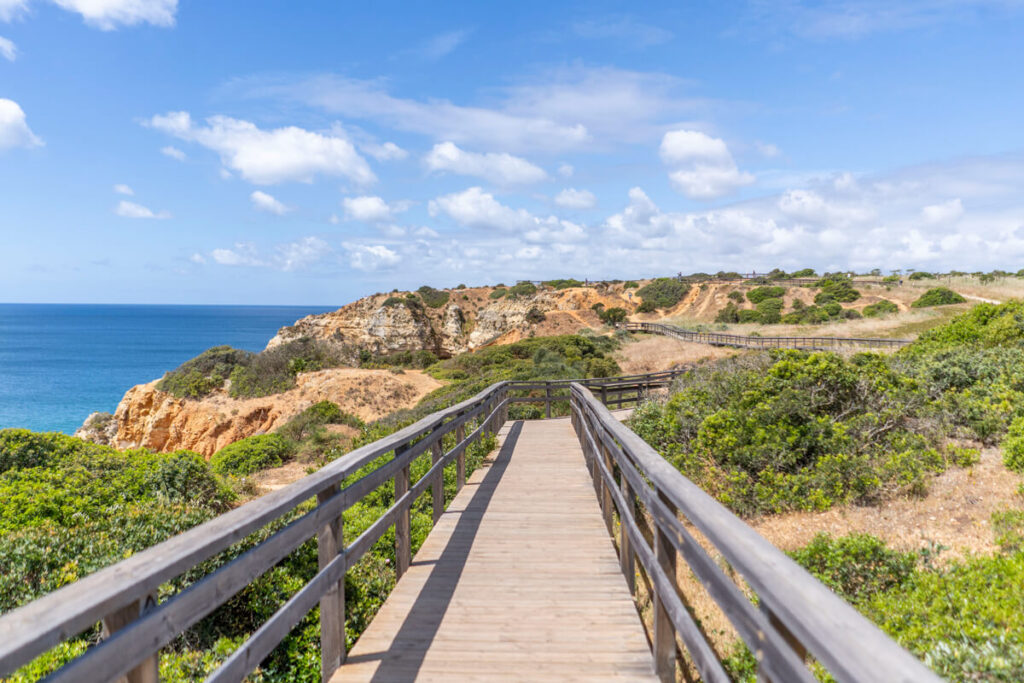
[{"x": 177, "y": 151}]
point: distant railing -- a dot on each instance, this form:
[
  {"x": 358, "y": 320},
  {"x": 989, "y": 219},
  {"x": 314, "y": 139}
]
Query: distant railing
[
  {"x": 615, "y": 392},
  {"x": 751, "y": 342},
  {"x": 796, "y": 615}
]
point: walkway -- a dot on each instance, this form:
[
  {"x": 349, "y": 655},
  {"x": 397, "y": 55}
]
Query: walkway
[{"x": 518, "y": 581}]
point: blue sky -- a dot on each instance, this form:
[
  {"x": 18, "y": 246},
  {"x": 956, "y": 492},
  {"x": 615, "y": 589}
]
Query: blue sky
[{"x": 176, "y": 151}]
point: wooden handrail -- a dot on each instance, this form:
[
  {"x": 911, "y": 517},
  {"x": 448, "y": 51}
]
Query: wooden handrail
[
  {"x": 797, "y": 612},
  {"x": 743, "y": 341}
]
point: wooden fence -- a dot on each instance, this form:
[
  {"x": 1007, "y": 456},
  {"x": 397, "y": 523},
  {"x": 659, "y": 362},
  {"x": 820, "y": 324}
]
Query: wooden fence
[{"x": 751, "y": 342}]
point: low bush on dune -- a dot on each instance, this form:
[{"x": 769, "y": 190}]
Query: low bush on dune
[
  {"x": 498, "y": 293},
  {"x": 663, "y": 292},
  {"x": 880, "y": 308},
  {"x": 252, "y": 454},
  {"x": 759, "y": 294},
  {"x": 938, "y": 296},
  {"x": 432, "y": 298}
]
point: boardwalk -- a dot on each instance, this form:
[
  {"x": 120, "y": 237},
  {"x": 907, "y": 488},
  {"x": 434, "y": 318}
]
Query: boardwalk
[{"x": 518, "y": 581}]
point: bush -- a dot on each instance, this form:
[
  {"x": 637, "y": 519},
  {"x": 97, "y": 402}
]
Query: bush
[
  {"x": 433, "y": 298},
  {"x": 834, "y": 289},
  {"x": 563, "y": 283},
  {"x": 729, "y": 314},
  {"x": 857, "y": 566},
  {"x": 535, "y": 316},
  {"x": 394, "y": 301},
  {"x": 461, "y": 286},
  {"x": 498, "y": 293},
  {"x": 921, "y": 275},
  {"x": 523, "y": 289},
  {"x": 938, "y": 296},
  {"x": 1013, "y": 446},
  {"x": 748, "y": 316},
  {"x": 803, "y": 273},
  {"x": 769, "y": 311},
  {"x": 664, "y": 292},
  {"x": 205, "y": 373},
  {"x": 736, "y": 296},
  {"x": 632, "y": 284},
  {"x": 1008, "y": 529},
  {"x": 646, "y": 307},
  {"x": 880, "y": 308},
  {"x": 613, "y": 315},
  {"x": 759, "y": 294},
  {"x": 252, "y": 454}
]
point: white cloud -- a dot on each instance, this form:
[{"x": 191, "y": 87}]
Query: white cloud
[
  {"x": 127, "y": 209},
  {"x": 576, "y": 199},
  {"x": 14, "y": 131},
  {"x": 8, "y": 50},
  {"x": 123, "y": 189},
  {"x": 388, "y": 151},
  {"x": 478, "y": 209},
  {"x": 529, "y": 253},
  {"x": 267, "y": 157},
  {"x": 502, "y": 169},
  {"x": 947, "y": 212},
  {"x": 303, "y": 253},
  {"x": 9, "y": 9},
  {"x": 197, "y": 258},
  {"x": 109, "y": 14},
  {"x": 442, "y": 44},
  {"x": 565, "y": 170},
  {"x": 266, "y": 202},
  {"x": 622, "y": 30},
  {"x": 767, "y": 150},
  {"x": 370, "y": 209},
  {"x": 704, "y": 167},
  {"x": 371, "y": 257},
  {"x": 173, "y": 152},
  {"x": 426, "y": 232},
  {"x": 244, "y": 254}
]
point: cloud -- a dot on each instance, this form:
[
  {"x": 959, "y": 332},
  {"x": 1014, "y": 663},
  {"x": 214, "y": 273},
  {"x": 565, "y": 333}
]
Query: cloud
[
  {"x": 371, "y": 257},
  {"x": 301, "y": 254},
  {"x": 570, "y": 198},
  {"x": 704, "y": 167},
  {"x": 501, "y": 169},
  {"x": 265, "y": 202},
  {"x": 268, "y": 157},
  {"x": 767, "y": 150},
  {"x": 14, "y": 131},
  {"x": 173, "y": 152},
  {"x": 478, "y": 209},
  {"x": 947, "y": 212},
  {"x": 244, "y": 254},
  {"x": 8, "y": 50},
  {"x": 371, "y": 209},
  {"x": 565, "y": 170},
  {"x": 388, "y": 151},
  {"x": 10, "y": 9},
  {"x": 106, "y": 15},
  {"x": 123, "y": 189},
  {"x": 127, "y": 209},
  {"x": 622, "y": 30},
  {"x": 442, "y": 44},
  {"x": 197, "y": 258}
]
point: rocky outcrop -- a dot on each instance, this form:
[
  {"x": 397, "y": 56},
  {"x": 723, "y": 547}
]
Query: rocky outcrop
[{"x": 150, "y": 418}]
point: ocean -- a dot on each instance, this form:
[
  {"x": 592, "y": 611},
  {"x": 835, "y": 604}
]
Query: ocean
[{"x": 60, "y": 362}]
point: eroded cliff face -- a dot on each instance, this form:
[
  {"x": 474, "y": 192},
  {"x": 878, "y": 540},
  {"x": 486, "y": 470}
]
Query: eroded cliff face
[
  {"x": 469, "y": 320},
  {"x": 150, "y": 418}
]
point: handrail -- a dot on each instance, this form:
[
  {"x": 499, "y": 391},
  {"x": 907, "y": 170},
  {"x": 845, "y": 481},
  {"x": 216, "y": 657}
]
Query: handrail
[
  {"x": 797, "y": 613},
  {"x": 742, "y": 341}
]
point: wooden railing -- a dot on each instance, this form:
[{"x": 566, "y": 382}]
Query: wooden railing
[
  {"x": 750, "y": 342},
  {"x": 615, "y": 392},
  {"x": 123, "y": 597},
  {"x": 796, "y": 615}
]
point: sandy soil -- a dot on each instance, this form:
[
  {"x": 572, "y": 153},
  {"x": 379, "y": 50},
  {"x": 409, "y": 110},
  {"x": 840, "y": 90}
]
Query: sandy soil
[{"x": 654, "y": 353}]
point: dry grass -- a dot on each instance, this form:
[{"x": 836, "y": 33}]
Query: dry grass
[{"x": 654, "y": 353}]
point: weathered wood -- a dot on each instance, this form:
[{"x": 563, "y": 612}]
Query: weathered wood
[
  {"x": 403, "y": 526},
  {"x": 145, "y": 672},
  {"x": 437, "y": 487},
  {"x": 626, "y": 558},
  {"x": 810, "y": 343},
  {"x": 460, "y": 463},
  {"x": 664, "y": 639},
  {"x": 547, "y": 404},
  {"x": 330, "y": 543}
]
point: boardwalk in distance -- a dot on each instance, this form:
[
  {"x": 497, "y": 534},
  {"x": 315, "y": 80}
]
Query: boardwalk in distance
[{"x": 518, "y": 581}]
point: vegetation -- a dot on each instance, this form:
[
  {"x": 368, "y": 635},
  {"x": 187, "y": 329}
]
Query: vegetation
[
  {"x": 631, "y": 284},
  {"x": 498, "y": 293},
  {"x": 664, "y": 292},
  {"x": 880, "y": 308},
  {"x": 203, "y": 374},
  {"x": 522, "y": 289},
  {"x": 252, "y": 454},
  {"x": 433, "y": 298},
  {"x": 563, "y": 283},
  {"x": 759, "y": 294},
  {"x": 835, "y": 289},
  {"x": 938, "y": 296},
  {"x": 921, "y": 275}
]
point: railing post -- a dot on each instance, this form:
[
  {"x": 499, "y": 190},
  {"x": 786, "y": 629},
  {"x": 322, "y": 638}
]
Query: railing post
[
  {"x": 786, "y": 634},
  {"x": 460, "y": 461},
  {"x": 606, "y": 494},
  {"x": 547, "y": 402},
  {"x": 147, "y": 671},
  {"x": 664, "y": 640},
  {"x": 330, "y": 542},
  {"x": 437, "y": 486},
  {"x": 604, "y": 394},
  {"x": 403, "y": 526},
  {"x": 626, "y": 558}
]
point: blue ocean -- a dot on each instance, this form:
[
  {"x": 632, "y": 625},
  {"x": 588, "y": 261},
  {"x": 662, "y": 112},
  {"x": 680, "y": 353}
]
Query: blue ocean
[{"x": 58, "y": 362}]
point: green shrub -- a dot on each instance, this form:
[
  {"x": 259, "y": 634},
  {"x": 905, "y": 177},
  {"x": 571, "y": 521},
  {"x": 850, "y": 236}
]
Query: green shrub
[
  {"x": 880, "y": 308},
  {"x": 1013, "y": 446},
  {"x": 835, "y": 289},
  {"x": 460, "y": 286},
  {"x": 803, "y": 273},
  {"x": 393, "y": 301},
  {"x": 535, "y": 316},
  {"x": 938, "y": 296},
  {"x": 921, "y": 275},
  {"x": 770, "y": 311},
  {"x": 748, "y": 316},
  {"x": 736, "y": 296},
  {"x": 759, "y": 294},
  {"x": 646, "y": 307},
  {"x": 729, "y": 314},
  {"x": 1008, "y": 529},
  {"x": 612, "y": 315},
  {"x": 498, "y": 293},
  {"x": 523, "y": 289},
  {"x": 663, "y": 292},
  {"x": 857, "y": 566},
  {"x": 563, "y": 283},
  {"x": 631, "y": 284},
  {"x": 433, "y": 298},
  {"x": 252, "y": 454},
  {"x": 205, "y": 373}
]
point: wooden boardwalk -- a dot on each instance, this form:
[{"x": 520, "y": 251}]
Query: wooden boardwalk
[{"x": 518, "y": 581}]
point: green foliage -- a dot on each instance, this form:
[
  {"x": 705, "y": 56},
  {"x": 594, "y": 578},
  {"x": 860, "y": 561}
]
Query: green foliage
[
  {"x": 857, "y": 566},
  {"x": 880, "y": 308},
  {"x": 1008, "y": 529},
  {"x": 646, "y": 307},
  {"x": 729, "y": 314},
  {"x": 769, "y": 311},
  {"x": 782, "y": 431},
  {"x": 759, "y": 294},
  {"x": 535, "y": 316},
  {"x": 835, "y": 289},
  {"x": 984, "y": 325},
  {"x": 252, "y": 454},
  {"x": 921, "y": 275},
  {"x": 309, "y": 423},
  {"x": 563, "y": 283},
  {"x": 433, "y": 298},
  {"x": 803, "y": 273},
  {"x": 1013, "y": 446},
  {"x": 392, "y": 301},
  {"x": 736, "y": 296},
  {"x": 400, "y": 359},
  {"x": 461, "y": 286},
  {"x": 498, "y": 293},
  {"x": 522, "y": 289},
  {"x": 938, "y": 296},
  {"x": 631, "y": 284},
  {"x": 612, "y": 315},
  {"x": 663, "y": 292},
  {"x": 204, "y": 373}
]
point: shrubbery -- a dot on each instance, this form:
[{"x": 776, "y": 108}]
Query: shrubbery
[
  {"x": 204, "y": 373},
  {"x": 252, "y": 454},
  {"x": 835, "y": 288},
  {"x": 880, "y": 308},
  {"x": 433, "y": 298},
  {"x": 857, "y": 566},
  {"x": 1013, "y": 446},
  {"x": 938, "y": 296},
  {"x": 564, "y": 283},
  {"x": 759, "y": 294},
  {"x": 921, "y": 275},
  {"x": 664, "y": 292},
  {"x": 498, "y": 293},
  {"x": 522, "y": 289}
]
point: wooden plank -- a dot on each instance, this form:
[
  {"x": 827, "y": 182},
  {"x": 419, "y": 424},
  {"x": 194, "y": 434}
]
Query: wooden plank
[
  {"x": 330, "y": 542},
  {"x": 437, "y": 486},
  {"x": 403, "y": 527}
]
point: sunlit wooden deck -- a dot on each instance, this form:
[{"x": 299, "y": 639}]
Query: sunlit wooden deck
[{"x": 518, "y": 581}]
